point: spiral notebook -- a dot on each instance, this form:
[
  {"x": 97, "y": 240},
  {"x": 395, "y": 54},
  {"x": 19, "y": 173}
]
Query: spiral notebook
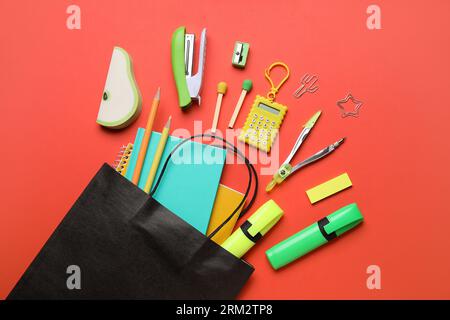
[
  {"x": 122, "y": 159},
  {"x": 190, "y": 182}
]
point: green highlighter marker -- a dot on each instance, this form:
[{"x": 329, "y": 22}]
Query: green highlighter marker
[{"x": 314, "y": 236}]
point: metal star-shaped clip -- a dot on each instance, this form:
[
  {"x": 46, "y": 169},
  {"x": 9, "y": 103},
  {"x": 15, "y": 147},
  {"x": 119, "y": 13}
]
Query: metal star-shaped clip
[{"x": 355, "y": 112}]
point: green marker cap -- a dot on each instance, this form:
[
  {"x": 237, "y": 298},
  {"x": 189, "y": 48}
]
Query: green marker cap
[{"x": 314, "y": 236}]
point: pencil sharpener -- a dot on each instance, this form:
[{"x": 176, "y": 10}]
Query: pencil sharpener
[{"x": 240, "y": 54}]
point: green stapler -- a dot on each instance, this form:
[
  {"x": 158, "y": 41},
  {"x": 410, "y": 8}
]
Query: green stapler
[{"x": 188, "y": 85}]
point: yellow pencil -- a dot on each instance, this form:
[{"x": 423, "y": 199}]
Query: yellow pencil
[
  {"x": 158, "y": 155},
  {"x": 146, "y": 139}
]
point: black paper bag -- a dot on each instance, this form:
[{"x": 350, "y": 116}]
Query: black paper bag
[{"x": 128, "y": 246}]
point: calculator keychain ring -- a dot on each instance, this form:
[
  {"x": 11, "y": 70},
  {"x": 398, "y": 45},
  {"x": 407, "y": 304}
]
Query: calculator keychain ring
[
  {"x": 274, "y": 90},
  {"x": 265, "y": 116}
]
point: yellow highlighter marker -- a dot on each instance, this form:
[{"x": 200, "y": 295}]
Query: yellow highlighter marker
[
  {"x": 252, "y": 230},
  {"x": 158, "y": 154}
]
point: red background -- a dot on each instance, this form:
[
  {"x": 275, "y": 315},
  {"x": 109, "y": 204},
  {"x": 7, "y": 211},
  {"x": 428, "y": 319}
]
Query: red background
[{"x": 51, "y": 81}]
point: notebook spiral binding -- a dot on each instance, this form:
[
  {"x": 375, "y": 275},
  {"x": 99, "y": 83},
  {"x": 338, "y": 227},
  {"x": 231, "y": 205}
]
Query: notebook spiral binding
[{"x": 122, "y": 159}]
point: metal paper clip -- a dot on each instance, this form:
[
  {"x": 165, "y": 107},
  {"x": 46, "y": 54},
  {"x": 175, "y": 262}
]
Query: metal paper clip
[
  {"x": 355, "y": 112},
  {"x": 307, "y": 79}
]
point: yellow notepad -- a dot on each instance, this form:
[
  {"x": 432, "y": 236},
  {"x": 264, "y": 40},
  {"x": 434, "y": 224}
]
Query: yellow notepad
[
  {"x": 226, "y": 201},
  {"x": 329, "y": 188}
]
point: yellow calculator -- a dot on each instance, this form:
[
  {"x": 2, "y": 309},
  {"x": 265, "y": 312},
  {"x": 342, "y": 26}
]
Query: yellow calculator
[{"x": 262, "y": 124}]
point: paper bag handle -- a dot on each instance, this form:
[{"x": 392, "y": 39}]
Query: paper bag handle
[{"x": 230, "y": 147}]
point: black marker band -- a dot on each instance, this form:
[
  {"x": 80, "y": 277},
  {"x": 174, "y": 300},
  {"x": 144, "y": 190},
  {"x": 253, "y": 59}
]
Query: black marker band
[
  {"x": 322, "y": 223},
  {"x": 245, "y": 226}
]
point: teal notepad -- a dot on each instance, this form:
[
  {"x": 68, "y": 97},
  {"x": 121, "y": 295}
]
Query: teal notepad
[{"x": 189, "y": 184}]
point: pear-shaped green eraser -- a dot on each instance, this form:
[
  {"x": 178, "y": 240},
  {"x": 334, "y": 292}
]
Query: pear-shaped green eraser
[
  {"x": 247, "y": 85},
  {"x": 121, "y": 99}
]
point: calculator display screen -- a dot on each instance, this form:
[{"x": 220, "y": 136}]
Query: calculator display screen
[{"x": 268, "y": 108}]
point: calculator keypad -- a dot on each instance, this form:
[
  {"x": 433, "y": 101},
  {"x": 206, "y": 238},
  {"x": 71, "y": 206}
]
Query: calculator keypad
[{"x": 261, "y": 127}]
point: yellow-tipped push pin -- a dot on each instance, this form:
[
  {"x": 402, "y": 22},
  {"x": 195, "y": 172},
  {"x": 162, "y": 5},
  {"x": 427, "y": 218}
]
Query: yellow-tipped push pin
[
  {"x": 246, "y": 87},
  {"x": 221, "y": 89}
]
